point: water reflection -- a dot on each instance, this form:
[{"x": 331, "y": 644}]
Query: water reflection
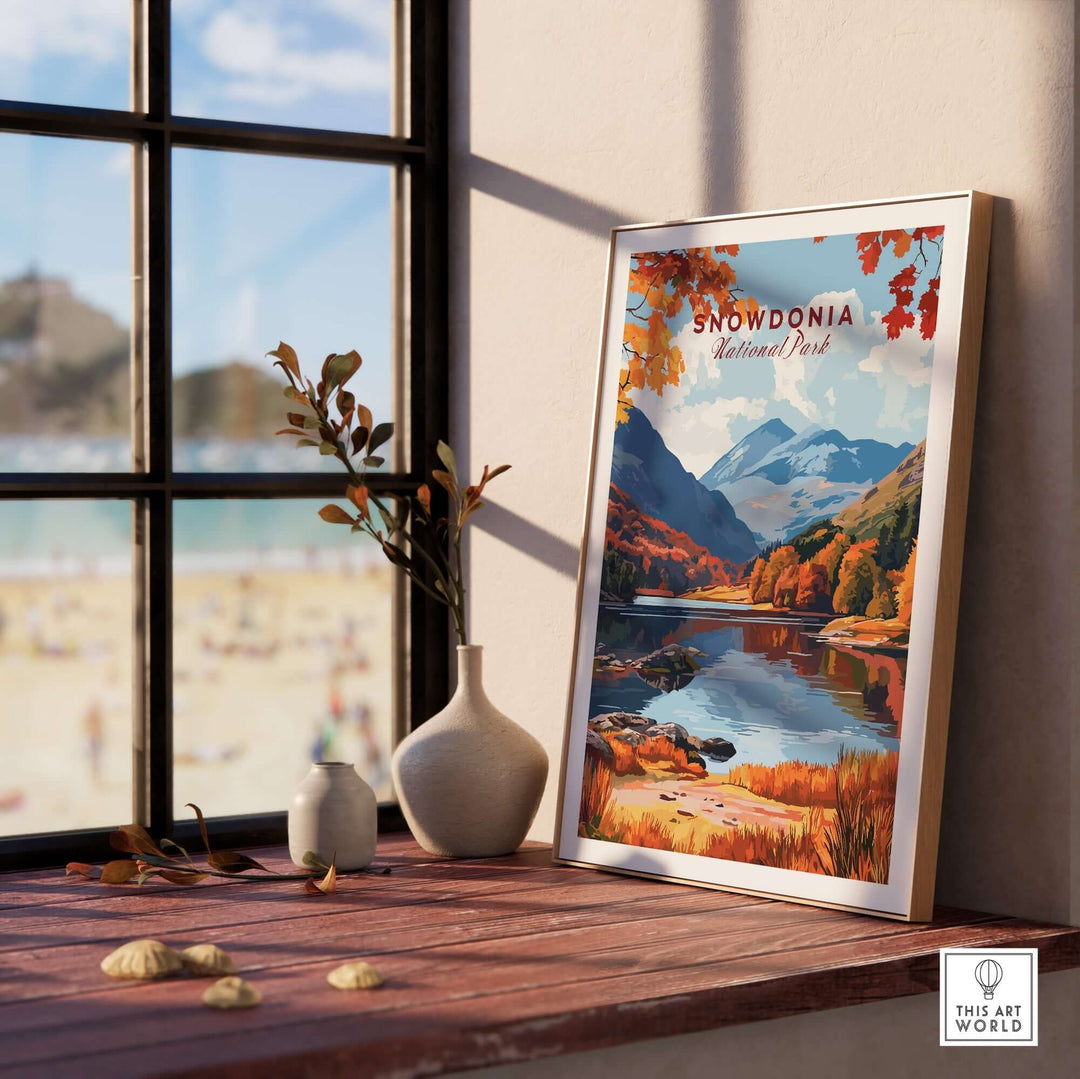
[{"x": 764, "y": 682}]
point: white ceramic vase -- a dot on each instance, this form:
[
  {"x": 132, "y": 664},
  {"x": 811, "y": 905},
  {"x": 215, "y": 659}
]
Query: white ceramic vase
[
  {"x": 469, "y": 780},
  {"x": 333, "y": 813}
]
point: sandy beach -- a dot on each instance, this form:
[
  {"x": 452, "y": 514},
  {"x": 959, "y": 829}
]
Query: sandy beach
[{"x": 273, "y": 668}]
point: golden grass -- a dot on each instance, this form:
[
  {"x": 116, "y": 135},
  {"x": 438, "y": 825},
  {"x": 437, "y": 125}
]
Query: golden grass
[
  {"x": 596, "y": 792},
  {"x": 796, "y": 783},
  {"x": 785, "y": 848},
  {"x": 858, "y": 841},
  {"x": 846, "y": 833},
  {"x": 660, "y": 752}
]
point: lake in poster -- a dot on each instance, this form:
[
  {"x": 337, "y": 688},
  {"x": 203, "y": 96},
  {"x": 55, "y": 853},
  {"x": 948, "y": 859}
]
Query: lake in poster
[{"x": 755, "y": 597}]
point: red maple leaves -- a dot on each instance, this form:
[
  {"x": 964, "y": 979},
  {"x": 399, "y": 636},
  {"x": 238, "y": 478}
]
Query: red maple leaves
[
  {"x": 899, "y": 317},
  {"x": 928, "y": 308}
]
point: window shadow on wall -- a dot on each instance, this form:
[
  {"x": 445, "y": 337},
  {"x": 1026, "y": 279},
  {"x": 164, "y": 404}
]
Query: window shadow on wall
[{"x": 717, "y": 78}]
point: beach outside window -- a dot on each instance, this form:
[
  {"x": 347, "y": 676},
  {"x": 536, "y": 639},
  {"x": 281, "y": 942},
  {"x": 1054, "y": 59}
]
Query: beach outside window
[
  {"x": 282, "y": 652},
  {"x": 176, "y": 622},
  {"x": 66, "y": 604}
]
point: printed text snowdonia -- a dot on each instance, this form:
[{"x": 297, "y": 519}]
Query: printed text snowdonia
[{"x": 772, "y": 318}]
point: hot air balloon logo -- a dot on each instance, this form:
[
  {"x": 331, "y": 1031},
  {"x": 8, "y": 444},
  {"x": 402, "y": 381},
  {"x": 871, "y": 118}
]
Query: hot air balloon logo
[{"x": 988, "y": 974}]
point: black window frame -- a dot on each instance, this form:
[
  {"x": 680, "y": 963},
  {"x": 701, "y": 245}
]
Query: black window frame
[{"x": 423, "y": 155}]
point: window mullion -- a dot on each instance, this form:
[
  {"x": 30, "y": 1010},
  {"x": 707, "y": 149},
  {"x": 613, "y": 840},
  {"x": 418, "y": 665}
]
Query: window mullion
[{"x": 156, "y": 766}]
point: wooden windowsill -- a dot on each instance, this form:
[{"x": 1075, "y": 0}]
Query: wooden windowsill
[{"x": 485, "y": 961}]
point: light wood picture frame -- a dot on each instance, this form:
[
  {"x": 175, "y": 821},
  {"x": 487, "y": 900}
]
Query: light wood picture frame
[{"x": 768, "y": 589}]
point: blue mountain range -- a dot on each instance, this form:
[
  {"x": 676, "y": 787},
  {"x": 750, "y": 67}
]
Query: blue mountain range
[
  {"x": 779, "y": 481},
  {"x": 654, "y": 479}
]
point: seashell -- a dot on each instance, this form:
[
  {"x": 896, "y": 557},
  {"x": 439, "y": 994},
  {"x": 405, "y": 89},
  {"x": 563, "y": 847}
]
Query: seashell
[
  {"x": 206, "y": 960},
  {"x": 358, "y": 975},
  {"x": 231, "y": 992},
  {"x": 142, "y": 959}
]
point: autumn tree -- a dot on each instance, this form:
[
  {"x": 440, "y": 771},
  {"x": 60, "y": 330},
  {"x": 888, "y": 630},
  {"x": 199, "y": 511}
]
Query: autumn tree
[
  {"x": 830, "y": 557},
  {"x": 662, "y": 283},
  {"x": 781, "y": 559},
  {"x": 813, "y": 588},
  {"x": 923, "y": 274},
  {"x": 883, "y": 605},
  {"x": 787, "y": 587},
  {"x": 906, "y": 589},
  {"x": 860, "y": 579},
  {"x": 755, "y": 579}
]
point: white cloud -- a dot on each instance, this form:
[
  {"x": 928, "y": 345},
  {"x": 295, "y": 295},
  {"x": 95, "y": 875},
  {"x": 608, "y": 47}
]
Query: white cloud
[
  {"x": 899, "y": 367},
  {"x": 96, "y": 30},
  {"x": 699, "y": 434},
  {"x": 830, "y": 396},
  {"x": 902, "y": 357},
  {"x": 789, "y": 374},
  {"x": 242, "y": 334},
  {"x": 272, "y": 63},
  {"x": 118, "y": 162},
  {"x": 370, "y": 15}
]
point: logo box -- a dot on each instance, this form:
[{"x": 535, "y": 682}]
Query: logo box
[{"x": 989, "y": 996}]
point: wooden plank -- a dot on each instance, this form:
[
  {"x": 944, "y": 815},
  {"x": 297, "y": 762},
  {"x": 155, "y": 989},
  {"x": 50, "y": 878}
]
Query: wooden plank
[
  {"x": 295, "y": 992},
  {"x": 486, "y": 961},
  {"x": 329, "y": 931},
  {"x": 371, "y": 1034},
  {"x": 40, "y": 887}
]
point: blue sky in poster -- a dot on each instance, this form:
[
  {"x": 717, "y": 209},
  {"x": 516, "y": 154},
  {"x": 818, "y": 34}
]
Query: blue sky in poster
[
  {"x": 864, "y": 385},
  {"x": 264, "y": 247}
]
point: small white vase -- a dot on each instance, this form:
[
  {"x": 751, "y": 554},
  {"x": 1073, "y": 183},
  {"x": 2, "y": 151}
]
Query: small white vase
[
  {"x": 333, "y": 813},
  {"x": 469, "y": 780}
]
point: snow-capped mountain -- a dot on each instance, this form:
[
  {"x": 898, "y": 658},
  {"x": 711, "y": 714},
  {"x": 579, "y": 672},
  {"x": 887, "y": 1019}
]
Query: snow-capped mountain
[
  {"x": 746, "y": 453},
  {"x": 805, "y": 477}
]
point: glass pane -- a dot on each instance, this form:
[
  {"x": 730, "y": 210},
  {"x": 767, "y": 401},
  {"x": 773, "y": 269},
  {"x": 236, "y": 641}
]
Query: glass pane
[
  {"x": 66, "y": 603},
  {"x": 65, "y": 305},
  {"x": 66, "y": 52},
  {"x": 269, "y": 249},
  {"x": 289, "y": 62},
  {"x": 282, "y": 653}
]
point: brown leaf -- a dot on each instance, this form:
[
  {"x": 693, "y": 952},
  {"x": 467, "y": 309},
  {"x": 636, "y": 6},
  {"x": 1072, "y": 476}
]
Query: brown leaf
[
  {"x": 232, "y": 861},
  {"x": 364, "y": 417},
  {"x": 291, "y": 431},
  {"x": 396, "y": 555},
  {"x": 423, "y": 496},
  {"x": 134, "y": 839},
  {"x": 337, "y": 370},
  {"x": 380, "y": 434},
  {"x": 202, "y": 824},
  {"x": 358, "y": 496},
  {"x": 297, "y": 419},
  {"x": 287, "y": 359},
  {"x": 325, "y": 886},
  {"x": 335, "y": 515},
  {"x": 443, "y": 479},
  {"x": 79, "y": 869},
  {"x": 359, "y": 437},
  {"x": 497, "y": 471},
  {"x": 120, "y": 871},
  {"x": 182, "y": 876}
]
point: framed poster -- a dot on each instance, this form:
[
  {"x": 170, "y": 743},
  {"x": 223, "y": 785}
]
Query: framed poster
[{"x": 769, "y": 577}]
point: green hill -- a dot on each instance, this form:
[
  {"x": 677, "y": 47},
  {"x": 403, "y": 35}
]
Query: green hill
[{"x": 877, "y": 506}]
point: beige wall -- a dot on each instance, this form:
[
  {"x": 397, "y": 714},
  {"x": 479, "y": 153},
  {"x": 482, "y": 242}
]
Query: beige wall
[{"x": 570, "y": 116}]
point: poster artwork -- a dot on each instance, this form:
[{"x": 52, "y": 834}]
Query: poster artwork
[{"x": 762, "y": 534}]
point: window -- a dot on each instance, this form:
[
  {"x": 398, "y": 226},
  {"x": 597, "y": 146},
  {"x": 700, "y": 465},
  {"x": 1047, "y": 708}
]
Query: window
[{"x": 181, "y": 187}]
